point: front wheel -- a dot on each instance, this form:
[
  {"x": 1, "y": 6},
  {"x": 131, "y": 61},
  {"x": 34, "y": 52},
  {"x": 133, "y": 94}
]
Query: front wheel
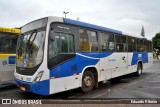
[
  {"x": 88, "y": 81},
  {"x": 139, "y": 70}
]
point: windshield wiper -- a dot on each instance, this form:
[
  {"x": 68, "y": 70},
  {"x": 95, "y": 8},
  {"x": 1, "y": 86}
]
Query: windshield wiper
[{"x": 29, "y": 46}]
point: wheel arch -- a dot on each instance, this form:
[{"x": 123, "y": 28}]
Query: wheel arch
[
  {"x": 94, "y": 70},
  {"x": 141, "y": 62}
]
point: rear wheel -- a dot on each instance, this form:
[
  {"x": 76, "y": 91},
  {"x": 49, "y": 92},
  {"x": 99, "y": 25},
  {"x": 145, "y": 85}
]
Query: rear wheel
[
  {"x": 88, "y": 81},
  {"x": 139, "y": 70}
]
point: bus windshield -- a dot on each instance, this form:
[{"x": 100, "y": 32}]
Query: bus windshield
[{"x": 30, "y": 49}]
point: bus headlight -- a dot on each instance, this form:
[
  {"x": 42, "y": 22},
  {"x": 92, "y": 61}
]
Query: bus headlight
[{"x": 38, "y": 77}]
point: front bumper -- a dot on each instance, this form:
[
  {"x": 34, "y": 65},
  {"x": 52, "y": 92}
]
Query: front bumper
[{"x": 41, "y": 88}]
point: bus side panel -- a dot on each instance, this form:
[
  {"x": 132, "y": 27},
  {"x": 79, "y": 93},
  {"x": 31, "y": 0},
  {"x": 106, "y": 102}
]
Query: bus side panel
[
  {"x": 118, "y": 64},
  {"x": 139, "y": 56},
  {"x": 67, "y": 76},
  {"x": 104, "y": 73},
  {"x": 150, "y": 61},
  {"x": 7, "y": 67},
  {"x": 129, "y": 62}
]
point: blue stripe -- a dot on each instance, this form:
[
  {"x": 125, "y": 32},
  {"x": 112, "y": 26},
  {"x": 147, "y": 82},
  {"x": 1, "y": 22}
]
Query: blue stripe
[
  {"x": 79, "y": 62},
  {"x": 139, "y": 56},
  {"x": 65, "y": 69},
  {"x": 83, "y": 24}
]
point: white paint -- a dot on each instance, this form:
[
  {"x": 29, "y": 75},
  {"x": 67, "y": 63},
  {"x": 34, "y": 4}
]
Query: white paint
[
  {"x": 43, "y": 67},
  {"x": 86, "y": 56},
  {"x": 64, "y": 84},
  {"x": 6, "y": 70}
]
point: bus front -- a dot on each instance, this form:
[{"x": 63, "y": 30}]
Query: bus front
[{"x": 29, "y": 73}]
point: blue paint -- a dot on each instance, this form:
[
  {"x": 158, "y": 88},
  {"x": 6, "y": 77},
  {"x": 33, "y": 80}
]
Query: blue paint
[
  {"x": 139, "y": 56},
  {"x": 83, "y": 24},
  {"x": 80, "y": 62},
  {"x": 64, "y": 70},
  {"x": 41, "y": 88},
  {"x": 11, "y": 59}
]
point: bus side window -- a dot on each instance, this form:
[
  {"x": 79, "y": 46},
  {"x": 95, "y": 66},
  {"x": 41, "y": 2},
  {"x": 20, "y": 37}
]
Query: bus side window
[
  {"x": 84, "y": 40},
  {"x": 67, "y": 43},
  {"x": 93, "y": 40},
  {"x": 54, "y": 41},
  {"x": 131, "y": 44},
  {"x": 146, "y": 46},
  {"x": 64, "y": 44},
  {"x": 60, "y": 43},
  {"x": 140, "y": 47},
  {"x": 88, "y": 41},
  {"x": 106, "y": 42},
  {"x": 120, "y": 43},
  {"x": 150, "y": 46}
]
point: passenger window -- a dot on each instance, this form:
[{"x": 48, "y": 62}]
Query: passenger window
[
  {"x": 106, "y": 42},
  {"x": 146, "y": 46},
  {"x": 60, "y": 43},
  {"x": 120, "y": 43},
  {"x": 140, "y": 47},
  {"x": 131, "y": 44},
  {"x": 150, "y": 46},
  {"x": 64, "y": 44},
  {"x": 88, "y": 41}
]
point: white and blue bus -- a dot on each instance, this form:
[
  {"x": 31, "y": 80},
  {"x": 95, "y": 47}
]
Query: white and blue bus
[{"x": 57, "y": 54}]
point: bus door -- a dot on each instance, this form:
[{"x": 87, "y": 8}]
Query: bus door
[
  {"x": 118, "y": 60},
  {"x": 62, "y": 60},
  {"x": 106, "y": 45},
  {"x": 105, "y": 71},
  {"x": 132, "y": 54}
]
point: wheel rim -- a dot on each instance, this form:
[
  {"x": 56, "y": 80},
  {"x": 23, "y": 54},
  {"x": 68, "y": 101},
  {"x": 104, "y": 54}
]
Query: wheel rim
[{"x": 87, "y": 81}]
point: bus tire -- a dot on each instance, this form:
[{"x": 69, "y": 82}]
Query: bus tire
[
  {"x": 88, "y": 81},
  {"x": 139, "y": 70}
]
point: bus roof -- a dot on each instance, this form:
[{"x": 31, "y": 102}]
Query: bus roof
[
  {"x": 10, "y": 30},
  {"x": 88, "y": 25},
  {"x": 83, "y": 24}
]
